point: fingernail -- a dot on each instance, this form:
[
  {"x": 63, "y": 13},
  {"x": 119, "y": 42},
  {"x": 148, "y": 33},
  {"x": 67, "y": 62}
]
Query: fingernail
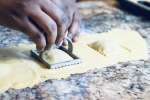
[
  {"x": 59, "y": 43},
  {"x": 75, "y": 39},
  {"x": 65, "y": 42},
  {"x": 69, "y": 36}
]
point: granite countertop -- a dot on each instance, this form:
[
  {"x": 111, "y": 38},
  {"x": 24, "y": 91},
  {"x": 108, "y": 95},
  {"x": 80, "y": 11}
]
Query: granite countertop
[{"x": 123, "y": 81}]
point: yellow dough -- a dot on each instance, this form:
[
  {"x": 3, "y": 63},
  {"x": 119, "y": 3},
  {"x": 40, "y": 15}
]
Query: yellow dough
[{"x": 19, "y": 70}]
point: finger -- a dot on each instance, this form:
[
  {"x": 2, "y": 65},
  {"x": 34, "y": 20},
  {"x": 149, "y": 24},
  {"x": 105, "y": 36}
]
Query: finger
[
  {"x": 75, "y": 27},
  {"x": 67, "y": 8},
  {"x": 61, "y": 19},
  {"x": 47, "y": 24},
  {"x": 65, "y": 42},
  {"x": 36, "y": 35},
  {"x": 32, "y": 32}
]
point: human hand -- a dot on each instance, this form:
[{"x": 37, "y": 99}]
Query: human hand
[{"x": 46, "y": 22}]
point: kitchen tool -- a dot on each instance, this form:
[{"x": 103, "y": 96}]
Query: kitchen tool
[
  {"x": 140, "y": 7},
  {"x": 69, "y": 50}
]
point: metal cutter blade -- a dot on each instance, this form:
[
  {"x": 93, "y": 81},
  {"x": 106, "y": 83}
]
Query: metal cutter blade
[{"x": 69, "y": 51}]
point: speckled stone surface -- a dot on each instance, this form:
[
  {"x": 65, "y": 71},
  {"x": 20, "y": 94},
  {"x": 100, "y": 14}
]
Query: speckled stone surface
[{"x": 123, "y": 81}]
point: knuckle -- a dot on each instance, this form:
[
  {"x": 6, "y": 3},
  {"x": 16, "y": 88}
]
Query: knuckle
[
  {"x": 21, "y": 5},
  {"x": 76, "y": 19},
  {"x": 53, "y": 27},
  {"x": 37, "y": 37},
  {"x": 69, "y": 20},
  {"x": 20, "y": 24},
  {"x": 63, "y": 20}
]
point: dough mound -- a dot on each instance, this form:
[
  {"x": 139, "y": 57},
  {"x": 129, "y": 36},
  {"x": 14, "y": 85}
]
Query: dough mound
[{"x": 106, "y": 47}]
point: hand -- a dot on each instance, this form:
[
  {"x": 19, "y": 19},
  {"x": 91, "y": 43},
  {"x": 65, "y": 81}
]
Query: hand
[{"x": 45, "y": 21}]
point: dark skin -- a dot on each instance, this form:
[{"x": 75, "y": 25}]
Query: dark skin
[{"x": 46, "y": 22}]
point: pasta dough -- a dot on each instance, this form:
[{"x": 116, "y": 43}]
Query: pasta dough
[{"x": 19, "y": 70}]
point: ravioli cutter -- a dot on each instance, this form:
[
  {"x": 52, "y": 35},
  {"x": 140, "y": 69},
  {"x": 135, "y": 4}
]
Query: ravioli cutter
[{"x": 69, "y": 50}]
